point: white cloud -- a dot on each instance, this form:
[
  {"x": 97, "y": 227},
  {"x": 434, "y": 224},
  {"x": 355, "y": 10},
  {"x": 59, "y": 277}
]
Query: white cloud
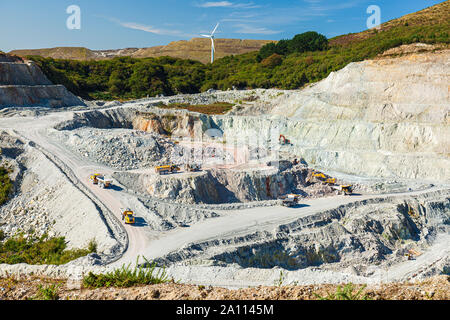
[
  {"x": 227, "y": 4},
  {"x": 146, "y": 28},
  {"x": 215, "y": 4},
  {"x": 247, "y": 29}
]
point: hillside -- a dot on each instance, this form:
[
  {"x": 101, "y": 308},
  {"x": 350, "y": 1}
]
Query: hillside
[
  {"x": 130, "y": 78},
  {"x": 195, "y": 49}
]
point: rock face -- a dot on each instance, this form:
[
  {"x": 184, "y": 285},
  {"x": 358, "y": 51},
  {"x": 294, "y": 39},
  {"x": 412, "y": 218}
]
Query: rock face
[
  {"x": 356, "y": 235},
  {"x": 381, "y": 118},
  {"x": 24, "y": 85}
]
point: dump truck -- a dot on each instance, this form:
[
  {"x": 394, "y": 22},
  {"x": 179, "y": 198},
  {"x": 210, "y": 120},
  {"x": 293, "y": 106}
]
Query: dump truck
[
  {"x": 167, "y": 169},
  {"x": 345, "y": 189},
  {"x": 104, "y": 182},
  {"x": 289, "y": 200},
  {"x": 128, "y": 216},
  {"x": 94, "y": 178},
  {"x": 100, "y": 180}
]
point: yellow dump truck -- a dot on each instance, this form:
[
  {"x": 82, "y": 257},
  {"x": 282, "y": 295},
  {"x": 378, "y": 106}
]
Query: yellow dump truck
[
  {"x": 167, "y": 169},
  {"x": 100, "y": 180},
  {"x": 128, "y": 216},
  {"x": 94, "y": 177},
  {"x": 347, "y": 189}
]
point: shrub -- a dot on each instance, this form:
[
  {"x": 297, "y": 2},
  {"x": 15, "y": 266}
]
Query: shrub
[
  {"x": 127, "y": 276},
  {"x": 346, "y": 293},
  {"x": 272, "y": 61},
  {"x": 5, "y": 185},
  {"x": 49, "y": 292},
  {"x": 31, "y": 250}
]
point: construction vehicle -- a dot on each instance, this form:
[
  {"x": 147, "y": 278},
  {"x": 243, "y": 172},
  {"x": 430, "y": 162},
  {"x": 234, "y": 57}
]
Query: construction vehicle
[
  {"x": 412, "y": 254},
  {"x": 94, "y": 178},
  {"x": 101, "y": 180},
  {"x": 193, "y": 167},
  {"x": 283, "y": 140},
  {"x": 289, "y": 200},
  {"x": 319, "y": 176},
  {"x": 167, "y": 169},
  {"x": 104, "y": 182},
  {"x": 128, "y": 216},
  {"x": 345, "y": 189}
]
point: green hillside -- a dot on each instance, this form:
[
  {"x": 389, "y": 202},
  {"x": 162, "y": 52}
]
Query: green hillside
[{"x": 289, "y": 64}]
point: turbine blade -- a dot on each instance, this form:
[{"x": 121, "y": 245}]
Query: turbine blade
[
  {"x": 206, "y": 36},
  {"x": 217, "y": 25}
]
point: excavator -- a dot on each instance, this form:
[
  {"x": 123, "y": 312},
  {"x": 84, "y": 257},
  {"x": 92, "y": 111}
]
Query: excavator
[
  {"x": 283, "y": 140},
  {"x": 323, "y": 178}
]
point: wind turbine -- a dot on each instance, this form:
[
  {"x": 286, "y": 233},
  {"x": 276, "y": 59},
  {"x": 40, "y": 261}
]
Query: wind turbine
[{"x": 211, "y": 36}]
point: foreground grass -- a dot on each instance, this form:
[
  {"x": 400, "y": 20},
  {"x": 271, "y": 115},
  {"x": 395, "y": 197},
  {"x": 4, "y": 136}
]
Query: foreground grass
[
  {"x": 347, "y": 292},
  {"x": 32, "y": 250},
  {"x": 126, "y": 276}
]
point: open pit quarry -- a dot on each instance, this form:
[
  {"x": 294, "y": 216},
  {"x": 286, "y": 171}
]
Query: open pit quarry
[{"x": 382, "y": 126}]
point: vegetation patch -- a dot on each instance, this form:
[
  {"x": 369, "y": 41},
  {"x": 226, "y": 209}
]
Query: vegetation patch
[
  {"x": 347, "y": 292},
  {"x": 31, "y": 250},
  {"x": 126, "y": 276},
  {"x": 5, "y": 185}
]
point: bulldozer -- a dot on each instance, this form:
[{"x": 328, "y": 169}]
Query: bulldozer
[
  {"x": 128, "y": 216},
  {"x": 167, "y": 169}
]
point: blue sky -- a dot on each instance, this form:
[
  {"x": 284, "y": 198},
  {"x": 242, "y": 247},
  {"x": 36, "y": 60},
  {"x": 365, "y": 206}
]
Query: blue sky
[{"x": 28, "y": 24}]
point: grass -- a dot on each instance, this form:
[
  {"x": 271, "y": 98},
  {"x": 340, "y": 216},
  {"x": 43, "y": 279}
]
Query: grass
[
  {"x": 214, "y": 108},
  {"x": 126, "y": 276},
  {"x": 49, "y": 292},
  {"x": 32, "y": 250},
  {"x": 347, "y": 292}
]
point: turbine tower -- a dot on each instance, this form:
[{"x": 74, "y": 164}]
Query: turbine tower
[{"x": 211, "y": 36}]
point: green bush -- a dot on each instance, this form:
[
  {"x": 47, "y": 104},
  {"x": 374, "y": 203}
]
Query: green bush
[
  {"x": 5, "y": 185},
  {"x": 348, "y": 292},
  {"x": 127, "y": 276},
  {"x": 49, "y": 292},
  {"x": 31, "y": 250}
]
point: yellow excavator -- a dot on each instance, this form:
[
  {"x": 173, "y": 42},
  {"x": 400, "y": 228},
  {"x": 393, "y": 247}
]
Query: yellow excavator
[{"x": 319, "y": 176}]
